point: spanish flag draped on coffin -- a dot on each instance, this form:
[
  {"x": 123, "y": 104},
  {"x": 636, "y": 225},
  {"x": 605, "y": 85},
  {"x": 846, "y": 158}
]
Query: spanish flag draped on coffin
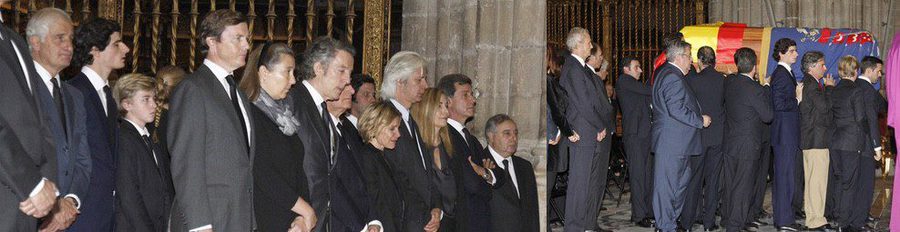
[{"x": 726, "y": 38}]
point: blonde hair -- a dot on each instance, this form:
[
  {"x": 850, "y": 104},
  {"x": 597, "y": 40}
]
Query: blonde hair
[
  {"x": 127, "y": 86},
  {"x": 424, "y": 112},
  {"x": 847, "y": 66},
  {"x": 375, "y": 118}
]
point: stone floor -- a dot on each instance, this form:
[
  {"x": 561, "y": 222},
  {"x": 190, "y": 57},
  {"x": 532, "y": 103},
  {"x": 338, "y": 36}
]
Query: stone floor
[{"x": 616, "y": 217}]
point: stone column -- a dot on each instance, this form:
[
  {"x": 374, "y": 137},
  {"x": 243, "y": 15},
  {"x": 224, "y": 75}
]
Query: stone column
[{"x": 419, "y": 32}]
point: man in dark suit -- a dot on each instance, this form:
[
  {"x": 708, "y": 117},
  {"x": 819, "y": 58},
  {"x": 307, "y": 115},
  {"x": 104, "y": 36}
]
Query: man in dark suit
[
  {"x": 513, "y": 204},
  {"x": 211, "y": 121},
  {"x": 785, "y": 133},
  {"x": 709, "y": 87},
  {"x": 50, "y": 38},
  {"x": 588, "y": 113},
  {"x": 363, "y": 96},
  {"x": 27, "y": 150},
  {"x": 748, "y": 109},
  {"x": 99, "y": 51},
  {"x": 144, "y": 180},
  {"x": 404, "y": 83},
  {"x": 815, "y": 135},
  {"x": 472, "y": 211},
  {"x": 675, "y": 134},
  {"x": 634, "y": 97},
  {"x": 847, "y": 141}
]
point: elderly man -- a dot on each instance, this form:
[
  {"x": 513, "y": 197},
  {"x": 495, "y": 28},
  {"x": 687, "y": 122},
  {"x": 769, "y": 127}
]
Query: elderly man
[
  {"x": 675, "y": 134},
  {"x": 513, "y": 204},
  {"x": 27, "y": 153},
  {"x": 589, "y": 114},
  {"x": 404, "y": 83},
  {"x": 50, "y": 34}
]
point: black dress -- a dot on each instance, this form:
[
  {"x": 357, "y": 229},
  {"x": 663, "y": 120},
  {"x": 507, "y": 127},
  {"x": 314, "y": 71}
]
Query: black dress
[
  {"x": 445, "y": 181},
  {"x": 387, "y": 200},
  {"x": 278, "y": 177}
]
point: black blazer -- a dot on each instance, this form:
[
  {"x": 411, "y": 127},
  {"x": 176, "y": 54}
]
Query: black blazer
[
  {"x": 278, "y": 174},
  {"x": 748, "y": 109},
  {"x": 709, "y": 87},
  {"x": 474, "y": 193},
  {"x": 874, "y": 104},
  {"x": 785, "y": 126},
  {"x": 144, "y": 192},
  {"x": 588, "y": 110},
  {"x": 349, "y": 198},
  {"x": 27, "y": 149},
  {"x": 316, "y": 161},
  {"x": 419, "y": 192},
  {"x": 384, "y": 189},
  {"x": 815, "y": 115},
  {"x": 509, "y": 211},
  {"x": 558, "y": 101},
  {"x": 70, "y": 137},
  {"x": 849, "y": 112},
  {"x": 634, "y": 99}
]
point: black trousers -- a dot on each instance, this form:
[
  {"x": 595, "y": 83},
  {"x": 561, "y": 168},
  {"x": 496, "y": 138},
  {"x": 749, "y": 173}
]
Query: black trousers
[
  {"x": 759, "y": 188},
  {"x": 800, "y": 180},
  {"x": 588, "y": 166},
  {"x": 704, "y": 187},
  {"x": 856, "y": 181},
  {"x": 866, "y": 190},
  {"x": 831, "y": 197},
  {"x": 640, "y": 176},
  {"x": 740, "y": 175}
]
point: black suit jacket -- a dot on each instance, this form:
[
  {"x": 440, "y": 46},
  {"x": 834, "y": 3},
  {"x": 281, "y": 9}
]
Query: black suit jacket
[
  {"x": 558, "y": 101},
  {"x": 634, "y": 99},
  {"x": 589, "y": 110},
  {"x": 144, "y": 187},
  {"x": 874, "y": 103},
  {"x": 350, "y": 201},
  {"x": 474, "y": 193},
  {"x": 384, "y": 190},
  {"x": 815, "y": 115},
  {"x": 73, "y": 153},
  {"x": 316, "y": 147},
  {"x": 709, "y": 87},
  {"x": 514, "y": 212},
  {"x": 27, "y": 150},
  {"x": 748, "y": 109},
  {"x": 419, "y": 192},
  {"x": 849, "y": 112}
]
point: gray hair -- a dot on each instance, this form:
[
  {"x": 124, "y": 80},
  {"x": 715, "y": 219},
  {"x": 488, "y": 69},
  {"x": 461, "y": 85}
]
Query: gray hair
[
  {"x": 401, "y": 66},
  {"x": 675, "y": 50},
  {"x": 40, "y": 21},
  {"x": 322, "y": 50},
  {"x": 491, "y": 125},
  {"x": 575, "y": 36},
  {"x": 809, "y": 59}
]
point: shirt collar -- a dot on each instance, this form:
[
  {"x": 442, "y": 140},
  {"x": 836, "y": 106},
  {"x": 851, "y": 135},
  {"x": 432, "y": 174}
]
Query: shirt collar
[
  {"x": 679, "y": 68},
  {"x": 786, "y": 66},
  {"x": 45, "y": 75},
  {"x": 216, "y": 69},
  {"x": 97, "y": 81},
  {"x": 456, "y": 125},
  {"x": 498, "y": 157},
  {"x": 352, "y": 119},
  {"x": 748, "y": 76},
  {"x": 866, "y": 78},
  {"x": 580, "y": 60},
  {"x": 316, "y": 96},
  {"x": 141, "y": 129},
  {"x": 404, "y": 112}
]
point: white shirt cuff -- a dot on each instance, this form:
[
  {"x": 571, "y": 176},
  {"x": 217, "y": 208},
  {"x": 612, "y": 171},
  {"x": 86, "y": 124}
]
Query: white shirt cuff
[
  {"x": 878, "y": 149},
  {"x": 374, "y": 223},
  {"x": 38, "y": 188},
  {"x": 77, "y": 200},
  {"x": 206, "y": 227},
  {"x": 442, "y": 215},
  {"x": 493, "y": 177}
]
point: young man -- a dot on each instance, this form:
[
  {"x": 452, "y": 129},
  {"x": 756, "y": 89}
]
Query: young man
[
  {"x": 634, "y": 97},
  {"x": 99, "y": 51},
  {"x": 785, "y": 133},
  {"x": 143, "y": 181}
]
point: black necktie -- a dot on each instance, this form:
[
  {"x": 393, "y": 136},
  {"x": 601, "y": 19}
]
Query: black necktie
[
  {"x": 57, "y": 99},
  {"x": 509, "y": 174},
  {"x": 415, "y": 134},
  {"x": 332, "y": 134},
  {"x": 111, "y": 112},
  {"x": 150, "y": 148},
  {"x": 467, "y": 135},
  {"x": 237, "y": 108}
]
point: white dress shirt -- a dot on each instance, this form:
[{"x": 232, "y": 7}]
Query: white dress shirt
[
  {"x": 220, "y": 74},
  {"x": 786, "y": 66},
  {"x": 45, "y": 76},
  {"x": 511, "y": 168},
  {"x": 353, "y": 120}
]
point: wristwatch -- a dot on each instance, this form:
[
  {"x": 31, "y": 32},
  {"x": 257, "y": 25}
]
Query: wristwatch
[{"x": 485, "y": 176}]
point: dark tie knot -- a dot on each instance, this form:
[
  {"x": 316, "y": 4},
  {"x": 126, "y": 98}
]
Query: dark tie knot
[
  {"x": 506, "y": 164},
  {"x": 230, "y": 79}
]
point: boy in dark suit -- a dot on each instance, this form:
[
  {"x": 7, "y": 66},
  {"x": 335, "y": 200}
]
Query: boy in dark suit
[{"x": 144, "y": 182}]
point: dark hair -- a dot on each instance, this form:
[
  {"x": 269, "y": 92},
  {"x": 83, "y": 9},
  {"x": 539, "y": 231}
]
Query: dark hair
[
  {"x": 809, "y": 58},
  {"x": 357, "y": 80},
  {"x": 869, "y": 62},
  {"x": 214, "y": 24},
  {"x": 447, "y": 84},
  {"x": 322, "y": 50},
  {"x": 781, "y": 46},
  {"x": 625, "y": 63},
  {"x": 491, "y": 125},
  {"x": 93, "y": 34},
  {"x": 745, "y": 59},
  {"x": 707, "y": 56},
  {"x": 267, "y": 55}
]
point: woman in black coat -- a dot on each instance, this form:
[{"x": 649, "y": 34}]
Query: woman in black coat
[
  {"x": 379, "y": 127},
  {"x": 279, "y": 182}
]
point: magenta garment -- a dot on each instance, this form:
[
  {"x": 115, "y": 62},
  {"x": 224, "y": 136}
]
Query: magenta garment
[{"x": 892, "y": 80}]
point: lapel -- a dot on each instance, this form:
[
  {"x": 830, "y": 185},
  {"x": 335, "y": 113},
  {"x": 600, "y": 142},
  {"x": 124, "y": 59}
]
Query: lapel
[
  {"x": 308, "y": 106},
  {"x": 221, "y": 98},
  {"x": 509, "y": 188}
]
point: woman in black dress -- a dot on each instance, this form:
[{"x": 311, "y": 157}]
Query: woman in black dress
[
  {"x": 432, "y": 113},
  {"x": 280, "y": 185},
  {"x": 379, "y": 128}
]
